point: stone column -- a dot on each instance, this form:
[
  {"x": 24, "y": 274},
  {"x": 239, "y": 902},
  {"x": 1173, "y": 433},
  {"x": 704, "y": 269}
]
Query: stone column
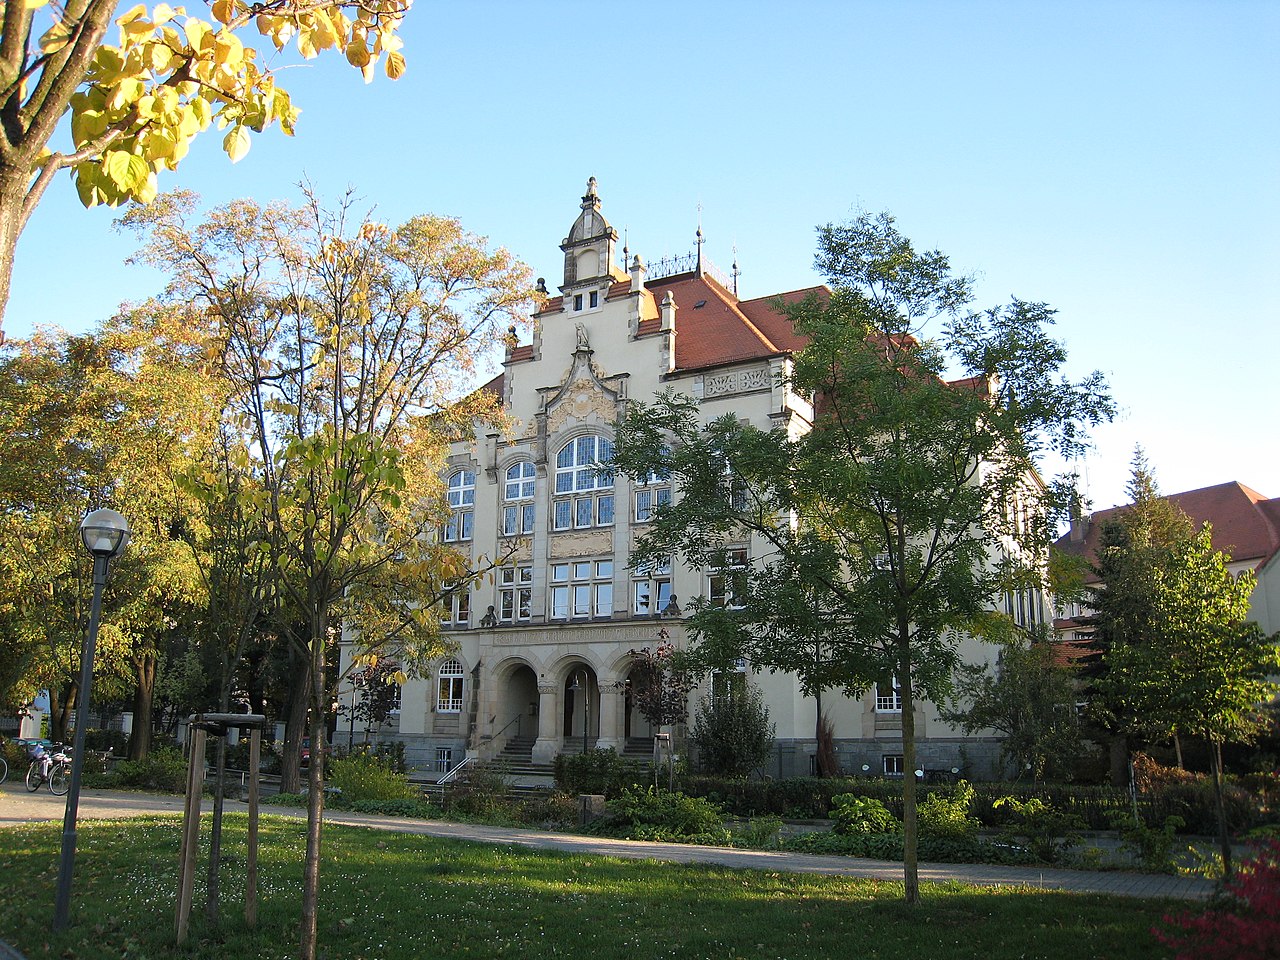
[
  {"x": 548, "y": 743},
  {"x": 612, "y": 702}
]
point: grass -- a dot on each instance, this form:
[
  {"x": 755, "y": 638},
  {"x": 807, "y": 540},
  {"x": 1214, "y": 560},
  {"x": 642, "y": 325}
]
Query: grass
[{"x": 390, "y": 896}]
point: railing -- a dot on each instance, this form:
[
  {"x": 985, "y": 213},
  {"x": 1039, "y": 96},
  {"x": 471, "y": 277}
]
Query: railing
[{"x": 453, "y": 774}]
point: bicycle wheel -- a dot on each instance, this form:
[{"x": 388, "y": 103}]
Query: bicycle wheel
[
  {"x": 33, "y": 776},
  {"x": 4, "y": 770},
  {"x": 60, "y": 779}
]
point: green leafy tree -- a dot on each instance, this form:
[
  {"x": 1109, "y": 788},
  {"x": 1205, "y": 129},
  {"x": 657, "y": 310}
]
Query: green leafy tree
[
  {"x": 136, "y": 104},
  {"x": 1205, "y": 670},
  {"x": 1030, "y": 698},
  {"x": 1135, "y": 544},
  {"x": 349, "y": 349},
  {"x": 875, "y": 524},
  {"x": 733, "y": 733}
]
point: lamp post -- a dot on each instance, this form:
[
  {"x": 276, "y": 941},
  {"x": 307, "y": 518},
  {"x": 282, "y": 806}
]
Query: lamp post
[
  {"x": 104, "y": 534},
  {"x": 586, "y": 706}
]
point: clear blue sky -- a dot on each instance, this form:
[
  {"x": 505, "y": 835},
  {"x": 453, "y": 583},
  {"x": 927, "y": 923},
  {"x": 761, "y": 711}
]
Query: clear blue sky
[{"x": 1118, "y": 160}]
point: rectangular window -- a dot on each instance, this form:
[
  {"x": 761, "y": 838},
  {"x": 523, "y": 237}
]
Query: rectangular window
[
  {"x": 727, "y": 585},
  {"x": 651, "y": 589},
  {"x": 648, "y": 500},
  {"x": 577, "y": 301},
  {"x": 583, "y": 512},
  {"x": 450, "y": 695},
  {"x": 562, "y": 518},
  {"x": 444, "y": 759},
  {"x": 891, "y": 765},
  {"x": 580, "y": 513},
  {"x": 582, "y": 590},
  {"x": 595, "y": 298},
  {"x": 517, "y": 519},
  {"x": 888, "y": 698},
  {"x": 515, "y": 593},
  {"x": 458, "y": 608}
]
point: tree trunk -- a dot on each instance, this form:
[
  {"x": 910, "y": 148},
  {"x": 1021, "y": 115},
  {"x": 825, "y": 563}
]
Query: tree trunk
[
  {"x": 143, "y": 698},
  {"x": 60, "y": 712},
  {"x": 910, "y": 832},
  {"x": 1219, "y": 802},
  {"x": 1119, "y": 751},
  {"x": 1177, "y": 749},
  {"x": 295, "y": 723},
  {"x": 13, "y": 189}
]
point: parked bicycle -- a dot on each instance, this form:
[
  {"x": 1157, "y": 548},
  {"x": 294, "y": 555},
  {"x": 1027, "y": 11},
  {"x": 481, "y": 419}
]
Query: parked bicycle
[
  {"x": 51, "y": 768},
  {"x": 4, "y": 768}
]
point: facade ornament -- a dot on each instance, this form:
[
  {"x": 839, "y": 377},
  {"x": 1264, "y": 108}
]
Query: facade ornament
[{"x": 583, "y": 342}]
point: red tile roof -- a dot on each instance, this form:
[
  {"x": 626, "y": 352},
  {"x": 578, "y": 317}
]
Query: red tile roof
[{"x": 1246, "y": 524}]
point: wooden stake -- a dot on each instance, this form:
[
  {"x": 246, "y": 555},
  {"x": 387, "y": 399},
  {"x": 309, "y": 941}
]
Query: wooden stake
[
  {"x": 251, "y": 877},
  {"x": 190, "y": 833}
]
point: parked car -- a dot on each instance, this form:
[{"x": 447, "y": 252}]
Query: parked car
[{"x": 306, "y": 750}]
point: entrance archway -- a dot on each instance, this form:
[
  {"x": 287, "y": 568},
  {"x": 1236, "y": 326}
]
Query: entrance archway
[{"x": 581, "y": 709}]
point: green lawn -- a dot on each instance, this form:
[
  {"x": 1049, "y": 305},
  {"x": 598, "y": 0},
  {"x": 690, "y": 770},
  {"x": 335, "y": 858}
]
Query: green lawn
[{"x": 389, "y": 896}]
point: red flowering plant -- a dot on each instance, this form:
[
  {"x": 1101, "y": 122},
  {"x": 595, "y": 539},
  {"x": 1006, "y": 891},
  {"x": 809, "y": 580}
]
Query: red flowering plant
[{"x": 1241, "y": 923}]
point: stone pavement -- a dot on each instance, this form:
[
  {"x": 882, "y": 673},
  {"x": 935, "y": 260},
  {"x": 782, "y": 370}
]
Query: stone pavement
[{"x": 17, "y": 806}]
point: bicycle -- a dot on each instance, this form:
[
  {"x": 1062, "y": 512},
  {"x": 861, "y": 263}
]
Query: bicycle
[
  {"x": 53, "y": 769},
  {"x": 4, "y": 769}
]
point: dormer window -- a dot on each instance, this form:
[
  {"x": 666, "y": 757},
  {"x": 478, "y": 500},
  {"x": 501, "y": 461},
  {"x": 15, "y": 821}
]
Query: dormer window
[
  {"x": 594, "y": 298},
  {"x": 577, "y": 302},
  {"x": 586, "y": 301}
]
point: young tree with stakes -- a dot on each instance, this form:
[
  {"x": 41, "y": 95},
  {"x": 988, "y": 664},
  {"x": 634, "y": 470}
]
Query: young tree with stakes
[{"x": 883, "y": 533}]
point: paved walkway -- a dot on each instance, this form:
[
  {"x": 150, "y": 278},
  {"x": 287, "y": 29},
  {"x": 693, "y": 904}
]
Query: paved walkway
[{"x": 17, "y": 806}]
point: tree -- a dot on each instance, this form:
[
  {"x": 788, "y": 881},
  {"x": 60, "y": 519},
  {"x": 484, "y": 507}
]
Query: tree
[
  {"x": 1030, "y": 698},
  {"x": 1134, "y": 545},
  {"x": 349, "y": 349},
  {"x": 1204, "y": 669},
  {"x": 86, "y": 424},
  {"x": 875, "y": 524},
  {"x": 659, "y": 687},
  {"x": 136, "y": 105},
  {"x": 733, "y": 733}
]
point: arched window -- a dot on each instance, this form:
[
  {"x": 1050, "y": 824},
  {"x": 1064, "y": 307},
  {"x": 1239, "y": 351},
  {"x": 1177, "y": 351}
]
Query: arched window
[
  {"x": 462, "y": 500},
  {"x": 449, "y": 698},
  {"x": 583, "y": 484},
  {"x": 517, "y": 494}
]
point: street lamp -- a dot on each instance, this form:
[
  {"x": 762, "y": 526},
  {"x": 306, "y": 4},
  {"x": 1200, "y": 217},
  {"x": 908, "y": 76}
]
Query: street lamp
[
  {"x": 586, "y": 706},
  {"x": 104, "y": 534}
]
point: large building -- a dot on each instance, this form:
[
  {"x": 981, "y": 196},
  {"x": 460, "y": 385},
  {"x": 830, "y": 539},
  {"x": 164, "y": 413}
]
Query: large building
[{"x": 544, "y": 650}]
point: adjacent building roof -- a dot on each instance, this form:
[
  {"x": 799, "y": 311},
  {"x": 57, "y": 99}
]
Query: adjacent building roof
[{"x": 1246, "y": 524}]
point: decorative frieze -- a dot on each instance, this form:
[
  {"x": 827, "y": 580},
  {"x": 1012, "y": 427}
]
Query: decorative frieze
[{"x": 732, "y": 382}]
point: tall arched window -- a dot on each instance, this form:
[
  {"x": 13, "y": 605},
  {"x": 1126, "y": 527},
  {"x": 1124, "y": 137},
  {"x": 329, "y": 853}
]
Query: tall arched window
[
  {"x": 583, "y": 484},
  {"x": 462, "y": 500},
  {"x": 449, "y": 697},
  {"x": 517, "y": 494}
]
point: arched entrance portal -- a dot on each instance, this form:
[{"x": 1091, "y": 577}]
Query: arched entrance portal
[
  {"x": 515, "y": 723},
  {"x": 581, "y": 709},
  {"x": 638, "y": 730}
]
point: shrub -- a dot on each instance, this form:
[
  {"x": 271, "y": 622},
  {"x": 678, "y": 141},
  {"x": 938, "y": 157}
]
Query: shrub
[
  {"x": 1153, "y": 846},
  {"x": 1242, "y": 923},
  {"x": 483, "y": 793},
  {"x": 651, "y": 814},
  {"x": 733, "y": 734},
  {"x": 854, "y": 814},
  {"x": 238, "y": 758},
  {"x": 945, "y": 813},
  {"x": 117, "y": 741},
  {"x": 1047, "y": 832},
  {"x": 363, "y": 776},
  {"x": 758, "y": 833},
  {"x": 164, "y": 768},
  {"x": 888, "y": 846},
  {"x": 599, "y": 771}
]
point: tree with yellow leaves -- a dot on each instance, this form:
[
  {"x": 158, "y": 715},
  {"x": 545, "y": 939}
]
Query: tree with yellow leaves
[{"x": 136, "y": 104}]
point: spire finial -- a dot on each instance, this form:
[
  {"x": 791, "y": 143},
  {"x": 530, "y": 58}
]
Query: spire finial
[
  {"x": 698, "y": 238},
  {"x": 735, "y": 271}
]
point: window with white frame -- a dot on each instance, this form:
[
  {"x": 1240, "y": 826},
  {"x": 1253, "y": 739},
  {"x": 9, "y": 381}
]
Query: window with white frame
[
  {"x": 891, "y": 765},
  {"x": 462, "y": 501},
  {"x": 449, "y": 690},
  {"x": 457, "y": 606},
  {"x": 652, "y": 491},
  {"x": 729, "y": 685},
  {"x": 517, "y": 495},
  {"x": 583, "y": 485},
  {"x": 727, "y": 584},
  {"x": 581, "y": 589},
  {"x": 651, "y": 588},
  {"x": 444, "y": 759},
  {"x": 515, "y": 593},
  {"x": 888, "y": 698}
]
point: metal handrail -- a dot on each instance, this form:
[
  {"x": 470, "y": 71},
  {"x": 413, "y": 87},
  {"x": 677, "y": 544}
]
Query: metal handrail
[
  {"x": 515, "y": 720},
  {"x": 452, "y": 774}
]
